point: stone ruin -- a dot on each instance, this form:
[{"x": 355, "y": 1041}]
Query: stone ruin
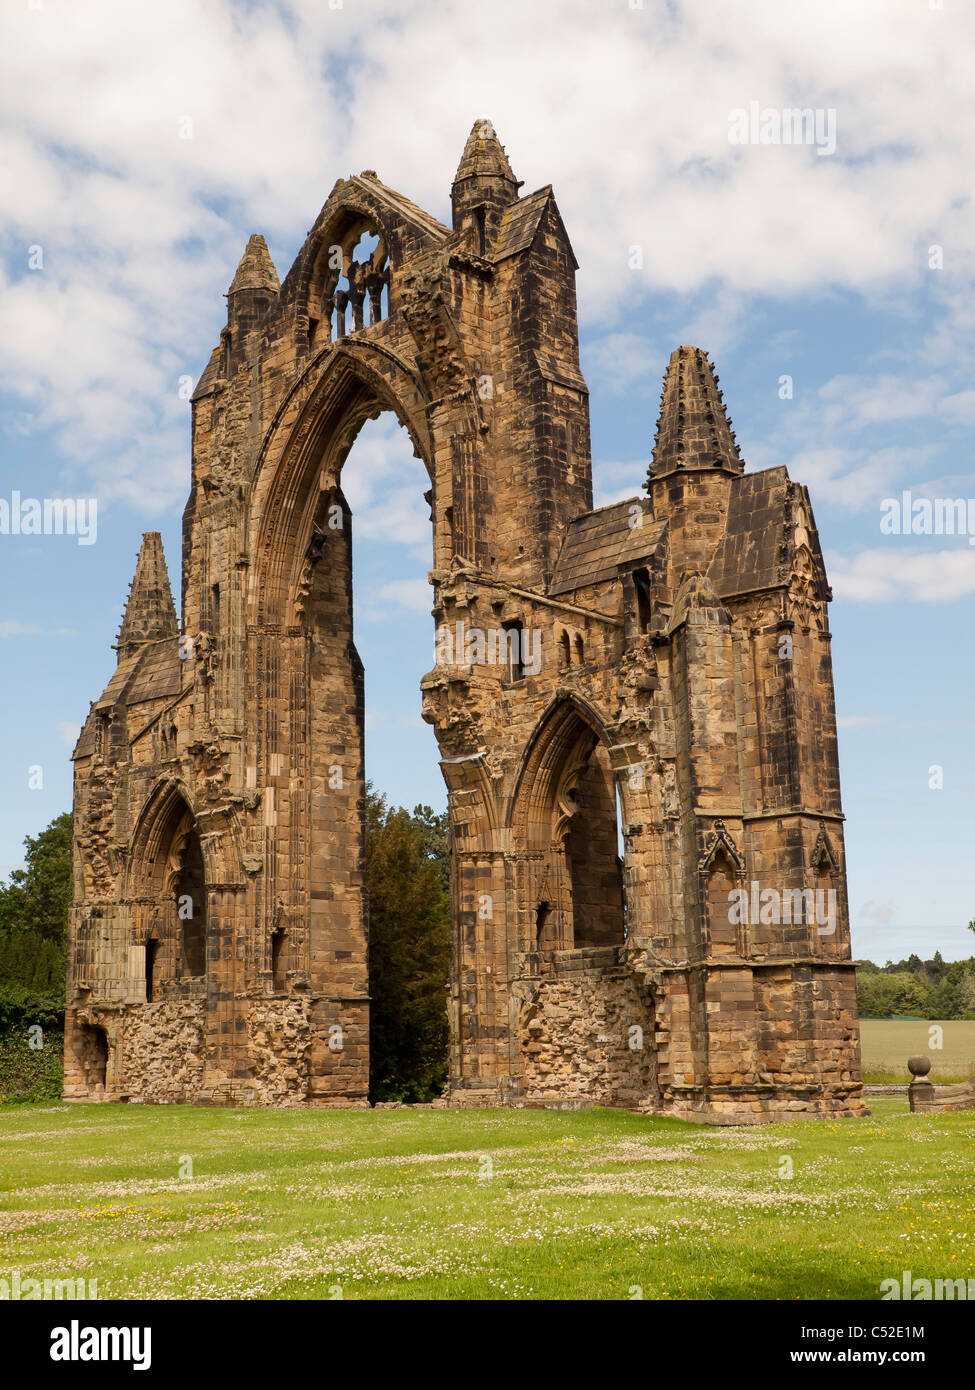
[{"x": 633, "y": 706}]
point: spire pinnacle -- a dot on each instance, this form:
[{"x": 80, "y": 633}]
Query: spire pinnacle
[
  {"x": 150, "y": 614},
  {"x": 256, "y": 269},
  {"x": 484, "y": 157},
  {"x": 693, "y": 430}
]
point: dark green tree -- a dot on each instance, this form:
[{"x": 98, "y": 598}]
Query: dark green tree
[
  {"x": 36, "y": 898},
  {"x": 34, "y": 906},
  {"x": 409, "y": 948}
]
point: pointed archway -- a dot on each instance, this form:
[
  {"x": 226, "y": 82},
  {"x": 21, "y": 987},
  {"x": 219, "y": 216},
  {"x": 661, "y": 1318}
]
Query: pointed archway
[
  {"x": 565, "y": 829},
  {"x": 168, "y": 895}
]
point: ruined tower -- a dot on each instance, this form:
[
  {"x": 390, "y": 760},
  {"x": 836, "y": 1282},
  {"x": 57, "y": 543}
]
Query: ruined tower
[{"x": 633, "y": 706}]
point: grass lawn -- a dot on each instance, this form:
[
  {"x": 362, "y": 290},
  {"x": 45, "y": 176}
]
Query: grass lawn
[
  {"x": 888, "y": 1042},
  {"x": 489, "y": 1204}
]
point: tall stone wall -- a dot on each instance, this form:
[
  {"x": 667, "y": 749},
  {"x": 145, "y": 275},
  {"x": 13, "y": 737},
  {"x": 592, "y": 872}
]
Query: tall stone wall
[{"x": 633, "y": 707}]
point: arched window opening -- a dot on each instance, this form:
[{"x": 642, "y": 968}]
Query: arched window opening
[
  {"x": 278, "y": 961},
  {"x": 152, "y": 969},
  {"x": 565, "y": 652},
  {"x": 191, "y": 909},
  {"x": 566, "y": 821},
  {"x": 641, "y": 586},
  {"x": 359, "y": 293},
  {"x": 514, "y": 649},
  {"x": 592, "y": 853},
  {"x": 480, "y": 229},
  {"x": 580, "y": 650}
]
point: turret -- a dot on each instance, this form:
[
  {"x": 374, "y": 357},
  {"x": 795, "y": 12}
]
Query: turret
[
  {"x": 483, "y": 187},
  {"x": 150, "y": 614},
  {"x": 253, "y": 290},
  {"x": 693, "y": 430},
  {"x": 695, "y": 460}
]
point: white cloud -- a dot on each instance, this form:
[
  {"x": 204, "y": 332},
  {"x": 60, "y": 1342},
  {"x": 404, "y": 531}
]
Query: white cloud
[
  {"x": 880, "y": 912},
  {"x": 141, "y": 229},
  {"x": 11, "y": 628},
  {"x": 618, "y": 362},
  {"x": 68, "y": 732},
  {"x": 616, "y": 481},
  {"x": 384, "y": 483},
  {"x": 883, "y": 575},
  {"x": 413, "y": 594}
]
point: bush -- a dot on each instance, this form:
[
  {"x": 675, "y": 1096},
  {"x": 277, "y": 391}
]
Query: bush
[{"x": 28, "y": 1073}]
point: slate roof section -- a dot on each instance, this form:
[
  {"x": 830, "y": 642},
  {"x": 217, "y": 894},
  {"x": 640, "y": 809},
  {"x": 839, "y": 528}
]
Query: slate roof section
[
  {"x": 401, "y": 204},
  {"x": 599, "y": 542},
  {"x": 520, "y": 223},
  {"x": 562, "y": 373},
  {"x": 750, "y": 555},
  {"x": 159, "y": 674},
  {"x": 115, "y": 689},
  {"x": 207, "y": 381},
  {"x": 154, "y": 672}
]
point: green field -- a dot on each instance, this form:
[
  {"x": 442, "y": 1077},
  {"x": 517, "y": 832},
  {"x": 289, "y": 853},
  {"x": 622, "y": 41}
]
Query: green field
[
  {"x": 888, "y": 1042},
  {"x": 491, "y": 1204}
]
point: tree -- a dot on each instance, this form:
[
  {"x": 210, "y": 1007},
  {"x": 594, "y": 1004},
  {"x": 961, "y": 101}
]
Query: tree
[
  {"x": 409, "y": 948},
  {"x": 34, "y": 905},
  {"x": 37, "y": 898}
]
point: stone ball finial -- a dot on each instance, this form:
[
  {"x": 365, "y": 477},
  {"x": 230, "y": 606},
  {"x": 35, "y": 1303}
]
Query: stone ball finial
[{"x": 919, "y": 1066}]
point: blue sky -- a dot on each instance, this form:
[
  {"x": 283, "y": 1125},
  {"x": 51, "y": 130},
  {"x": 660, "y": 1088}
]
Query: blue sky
[{"x": 779, "y": 261}]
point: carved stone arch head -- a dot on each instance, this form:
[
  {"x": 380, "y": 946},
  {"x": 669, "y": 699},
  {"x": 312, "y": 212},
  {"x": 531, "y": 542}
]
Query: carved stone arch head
[
  {"x": 168, "y": 817},
  {"x": 540, "y": 806},
  {"x": 162, "y": 830},
  {"x": 823, "y": 857},
  {"x": 362, "y": 204},
  {"x": 720, "y": 845}
]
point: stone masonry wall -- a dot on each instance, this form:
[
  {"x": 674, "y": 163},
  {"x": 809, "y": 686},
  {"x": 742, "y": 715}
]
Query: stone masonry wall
[{"x": 588, "y": 1035}]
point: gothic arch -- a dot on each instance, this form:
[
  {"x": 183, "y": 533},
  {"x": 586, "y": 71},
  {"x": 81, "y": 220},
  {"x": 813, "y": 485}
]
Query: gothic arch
[
  {"x": 309, "y": 441},
  {"x": 560, "y": 725},
  {"x": 564, "y": 832},
  {"x": 363, "y": 293},
  {"x": 361, "y": 203},
  {"x": 161, "y": 823},
  {"x": 721, "y": 872},
  {"x": 168, "y": 882}
]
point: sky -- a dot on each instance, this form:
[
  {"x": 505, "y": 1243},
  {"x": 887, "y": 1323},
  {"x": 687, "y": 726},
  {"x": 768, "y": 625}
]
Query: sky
[{"x": 831, "y": 279}]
